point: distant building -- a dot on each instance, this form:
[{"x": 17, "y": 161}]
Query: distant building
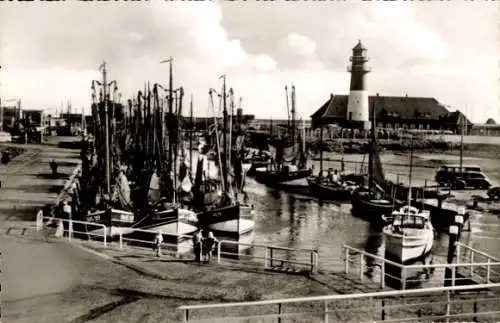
[
  {"x": 490, "y": 128},
  {"x": 394, "y": 112}
]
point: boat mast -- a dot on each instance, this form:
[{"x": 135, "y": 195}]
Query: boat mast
[
  {"x": 321, "y": 148},
  {"x": 107, "y": 155},
  {"x": 461, "y": 123},
  {"x": 372, "y": 148},
  {"x": 293, "y": 114},
  {"x": 191, "y": 138},
  {"x": 410, "y": 171},
  {"x": 224, "y": 131},
  {"x": 287, "y": 108}
]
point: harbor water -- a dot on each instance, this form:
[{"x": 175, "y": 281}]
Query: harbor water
[{"x": 296, "y": 221}]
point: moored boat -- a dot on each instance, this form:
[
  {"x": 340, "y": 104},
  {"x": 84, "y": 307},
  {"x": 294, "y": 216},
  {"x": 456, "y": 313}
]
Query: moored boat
[
  {"x": 372, "y": 202},
  {"x": 327, "y": 190},
  {"x": 410, "y": 236}
]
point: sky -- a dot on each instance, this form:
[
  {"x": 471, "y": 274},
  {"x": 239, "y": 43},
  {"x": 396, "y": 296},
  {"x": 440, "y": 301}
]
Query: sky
[{"x": 450, "y": 50}]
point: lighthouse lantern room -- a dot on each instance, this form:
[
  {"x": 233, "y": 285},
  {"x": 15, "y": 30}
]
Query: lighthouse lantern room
[{"x": 357, "y": 104}]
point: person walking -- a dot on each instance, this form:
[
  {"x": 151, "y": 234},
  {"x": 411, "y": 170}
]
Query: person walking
[{"x": 158, "y": 242}]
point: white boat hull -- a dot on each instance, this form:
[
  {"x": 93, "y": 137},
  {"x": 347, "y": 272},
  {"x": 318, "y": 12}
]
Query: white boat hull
[{"x": 406, "y": 248}]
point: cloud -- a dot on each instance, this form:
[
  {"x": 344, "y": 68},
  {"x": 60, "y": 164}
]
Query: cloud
[
  {"x": 301, "y": 44},
  {"x": 264, "y": 62},
  {"x": 420, "y": 50},
  {"x": 135, "y": 37}
]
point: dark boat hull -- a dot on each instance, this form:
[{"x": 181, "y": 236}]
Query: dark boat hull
[
  {"x": 371, "y": 209},
  {"x": 273, "y": 178},
  {"x": 328, "y": 193},
  {"x": 217, "y": 215},
  {"x": 257, "y": 164}
]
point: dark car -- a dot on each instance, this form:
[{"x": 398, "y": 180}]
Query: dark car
[
  {"x": 494, "y": 193},
  {"x": 461, "y": 180}
]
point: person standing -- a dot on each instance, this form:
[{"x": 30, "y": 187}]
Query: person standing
[
  {"x": 197, "y": 241},
  {"x": 158, "y": 242},
  {"x": 211, "y": 242}
]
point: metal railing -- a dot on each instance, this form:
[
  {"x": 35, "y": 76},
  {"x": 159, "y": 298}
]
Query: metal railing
[
  {"x": 274, "y": 256},
  {"x": 486, "y": 272},
  {"x": 389, "y": 306},
  {"x": 127, "y": 237},
  {"x": 68, "y": 230},
  {"x": 470, "y": 255},
  {"x": 145, "y": 239},
  {"x": 350, "y": 252}
]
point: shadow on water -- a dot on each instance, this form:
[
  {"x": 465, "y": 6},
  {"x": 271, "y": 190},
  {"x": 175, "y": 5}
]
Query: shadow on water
[
  {"x": 294, "y": 227},
  {"x": 373, "y": 245}
]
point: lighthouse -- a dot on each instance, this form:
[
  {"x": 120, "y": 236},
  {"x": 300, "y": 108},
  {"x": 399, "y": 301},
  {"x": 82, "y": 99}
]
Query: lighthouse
[{"x": 357, "y": 103}]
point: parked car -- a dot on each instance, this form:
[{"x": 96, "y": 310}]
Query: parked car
[
  {"x": 494, "y": 193},
  {"x": 469, "y": 176}
]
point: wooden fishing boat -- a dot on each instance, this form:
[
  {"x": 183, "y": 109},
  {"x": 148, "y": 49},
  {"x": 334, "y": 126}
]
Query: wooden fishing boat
[
  {"x": 216, "y": 199},
  {"x": 286, "y": 174},
  {"x": 290, "y": 159},
  {"x": 326, "y": 190},
  {"x": 372, "y": 202}
]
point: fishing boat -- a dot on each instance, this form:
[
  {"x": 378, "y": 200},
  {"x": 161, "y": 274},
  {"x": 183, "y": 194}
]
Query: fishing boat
[
  {"x": 324, "y": 188},
  {"x": 410, "y": 236},
  {"x": 372, "y": 201},
  {"x": 288, "y": 169},
  {"x": 257, "y": 159},
  {"x": 143, "y": 146},
  {"x": 220, "y": 198}
]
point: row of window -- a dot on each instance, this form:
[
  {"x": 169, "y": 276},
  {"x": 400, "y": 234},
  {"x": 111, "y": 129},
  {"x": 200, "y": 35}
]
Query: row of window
[{"x": 404, "y": 126}]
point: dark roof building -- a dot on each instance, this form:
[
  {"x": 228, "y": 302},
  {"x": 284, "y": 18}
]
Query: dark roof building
[{"x": 394, "y": 112}]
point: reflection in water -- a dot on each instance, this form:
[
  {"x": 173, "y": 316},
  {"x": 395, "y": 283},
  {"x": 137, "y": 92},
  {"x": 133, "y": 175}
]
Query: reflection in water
[
  {"x": 294, "y": 227},
  {"x": 373, "y": 245}
]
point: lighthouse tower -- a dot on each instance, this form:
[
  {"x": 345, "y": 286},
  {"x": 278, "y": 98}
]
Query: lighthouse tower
[{"x": 357, "y": 104}]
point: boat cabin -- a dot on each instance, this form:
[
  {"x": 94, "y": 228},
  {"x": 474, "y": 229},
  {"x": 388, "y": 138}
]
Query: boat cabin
[{"x": 410, "y": 218}]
